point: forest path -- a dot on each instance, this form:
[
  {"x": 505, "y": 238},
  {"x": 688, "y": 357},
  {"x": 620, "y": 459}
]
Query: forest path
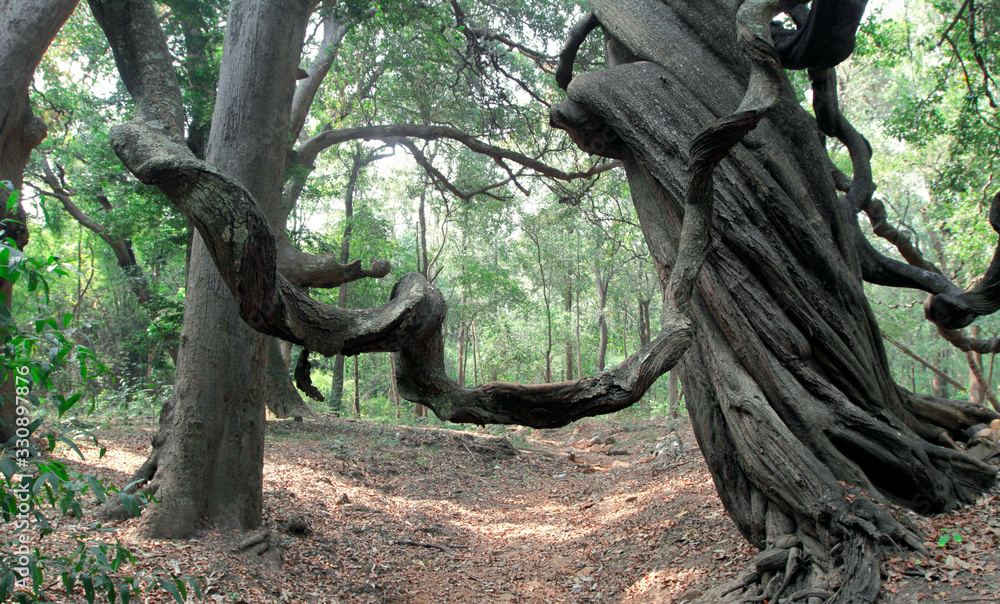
[{"x": 368, "y": 512}]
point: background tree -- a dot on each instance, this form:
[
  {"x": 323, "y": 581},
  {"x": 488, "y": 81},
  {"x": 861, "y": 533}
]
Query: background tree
[{"x": 22, "y": 46}]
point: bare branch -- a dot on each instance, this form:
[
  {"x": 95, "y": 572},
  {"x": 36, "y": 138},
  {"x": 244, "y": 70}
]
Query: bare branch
[
  {"x": 579, "y": 33},
  {"x": 333, "y": 35},
  {"x": 969, "y": 344},
  {"x": 954, "y": 311},
  {"x": 310, "y": 149},
  {"x": 323, "y": 270},
  {"x": 937, "y": 370},
  {"x": 442, "y": 180},
  {"x": 121, "y": 247}
]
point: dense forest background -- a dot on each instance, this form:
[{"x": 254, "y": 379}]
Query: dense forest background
[{"x": 546, "y": 279}]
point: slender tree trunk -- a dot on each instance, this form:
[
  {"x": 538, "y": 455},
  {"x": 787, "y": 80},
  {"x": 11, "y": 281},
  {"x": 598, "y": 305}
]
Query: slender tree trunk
[
  {"x": 568, "y": 306},
  {"x": 940, "y": 384},
  {"x": 602, "y": 322},
  {"x": 357, "y": 163},
  {"x": 534, "y": 236},
  {"x": 397, "y": 400},
  {"x": 475, "y": 355},
  {"x": 977, "y": 394},
  {"x": 673, "y": 394},
  {"x": 425, "y": 268},
  {"x": 644, "y": 326},
  {"x": 357, "y": 388},
  {"x": 579, "y": 349},
  {"x": 461, "y": 354}
]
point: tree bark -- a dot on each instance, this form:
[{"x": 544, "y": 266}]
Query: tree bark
[
  {"x": 208, "y": 464},
  {"x": 787, "y": 382}
]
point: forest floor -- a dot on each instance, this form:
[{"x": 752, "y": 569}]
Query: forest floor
[{"x": 608, "y": 510}]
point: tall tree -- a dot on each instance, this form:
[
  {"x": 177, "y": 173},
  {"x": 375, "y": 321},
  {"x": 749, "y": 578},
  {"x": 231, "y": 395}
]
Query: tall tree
[{"x": 207, "y": 457}]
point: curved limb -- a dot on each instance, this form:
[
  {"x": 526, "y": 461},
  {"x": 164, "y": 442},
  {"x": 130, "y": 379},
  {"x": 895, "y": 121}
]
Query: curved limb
[
  {"x": 242, "y": 245},
  {"x": 579, "y": 32},
  {"x": 422, "y": 378},
  {"x": 825, "y": 39},
  {"x": 948, "y": 306},
  {"x": 953, "y": 311}
]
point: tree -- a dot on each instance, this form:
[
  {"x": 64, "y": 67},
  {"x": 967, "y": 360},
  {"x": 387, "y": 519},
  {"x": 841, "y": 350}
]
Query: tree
[
  {"x": 207, "y": 457},
  {"x": 22, "y": 44},
  {"x": 804, "y": 431}
]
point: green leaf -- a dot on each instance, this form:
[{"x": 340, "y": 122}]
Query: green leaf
[
  {"x": 12, "y": 200},
  {"x": 88, "y": 589},
  {"x": 943, "y": 540},
  {"x": 69, "y": 581},
  {"x": 57, "y": 468},
  {"x": 64, "y": 404},
  {"x": 131, "y": 503},
  {"x": 9, "y": 467},
  {"x": 170, "y": 588},
  {"x": 193, "y": 582},
  {"x": 34, "y": 425},
  {"x": 96, "y": 488}
]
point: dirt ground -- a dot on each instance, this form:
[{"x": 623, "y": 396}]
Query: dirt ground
[{"x": 601, "y": 511}]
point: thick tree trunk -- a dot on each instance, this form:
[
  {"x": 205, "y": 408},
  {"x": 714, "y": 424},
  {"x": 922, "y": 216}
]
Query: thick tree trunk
[
  {"x": 207, "y": 463},
  {"x": 787, "y": 382}
]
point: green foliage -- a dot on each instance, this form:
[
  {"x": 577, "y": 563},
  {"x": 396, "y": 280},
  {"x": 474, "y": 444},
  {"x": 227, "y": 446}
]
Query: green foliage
[
  {"x": 949, "y": 536},
  {"x": 35, "y": 350}
]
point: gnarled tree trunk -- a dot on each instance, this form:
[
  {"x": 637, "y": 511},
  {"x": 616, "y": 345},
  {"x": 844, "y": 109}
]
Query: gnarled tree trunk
[{"x": 787, "y": 383}]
